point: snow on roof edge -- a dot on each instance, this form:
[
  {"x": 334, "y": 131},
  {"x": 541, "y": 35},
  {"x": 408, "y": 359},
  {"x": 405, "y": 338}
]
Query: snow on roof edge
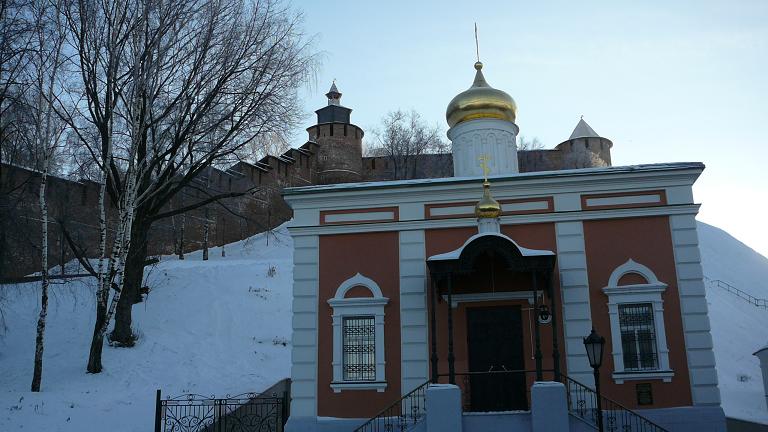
[
  {"x": 456, "y": 253},
  {"x": 534, "y": 174}
]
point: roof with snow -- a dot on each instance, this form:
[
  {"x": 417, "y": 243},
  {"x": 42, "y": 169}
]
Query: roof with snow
[
  {"x": 583, "y": 130},
  {"x": 761, "y": 350},
  {"x": 455, "y": 254}
]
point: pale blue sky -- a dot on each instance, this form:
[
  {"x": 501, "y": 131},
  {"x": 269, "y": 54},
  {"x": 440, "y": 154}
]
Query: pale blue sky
[{"x": 665, "y": 81}]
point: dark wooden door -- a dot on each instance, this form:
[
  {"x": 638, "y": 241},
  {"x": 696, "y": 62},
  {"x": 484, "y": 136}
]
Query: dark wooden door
[{"x": 495, "y": 342}]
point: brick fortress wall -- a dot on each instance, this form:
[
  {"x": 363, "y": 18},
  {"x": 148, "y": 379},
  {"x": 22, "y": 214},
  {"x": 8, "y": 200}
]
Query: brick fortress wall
[{"x": 333, "y": 154}]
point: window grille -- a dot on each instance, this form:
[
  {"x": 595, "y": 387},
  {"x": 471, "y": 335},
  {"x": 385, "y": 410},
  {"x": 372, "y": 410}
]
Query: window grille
[
  {"x": 359, "y": 347},
  {"x": 638, "y": 337}
]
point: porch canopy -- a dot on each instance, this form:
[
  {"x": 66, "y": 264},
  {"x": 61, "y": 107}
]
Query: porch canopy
[
  {"x": 515, "y": 257},
  {"x": 468, "y": 259}
]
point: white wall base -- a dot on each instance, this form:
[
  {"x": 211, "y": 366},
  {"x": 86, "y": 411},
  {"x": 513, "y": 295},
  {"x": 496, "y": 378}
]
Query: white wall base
[{"x": 549, "y": 409}]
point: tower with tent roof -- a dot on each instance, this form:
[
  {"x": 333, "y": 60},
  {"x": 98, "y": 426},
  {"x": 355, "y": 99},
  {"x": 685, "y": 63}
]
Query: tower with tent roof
[{"x": 340, "y": 143}]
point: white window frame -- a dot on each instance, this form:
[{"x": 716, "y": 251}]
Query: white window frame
[
  {"x": 357, "y": 307},
  {"x": 649, "y": 292}
]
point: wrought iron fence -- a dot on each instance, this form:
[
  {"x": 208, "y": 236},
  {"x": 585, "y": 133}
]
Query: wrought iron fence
[
  {"x": 247, "y": 412},
  {"x": 401, "y": 416},
  {"x": 582, "y": 404}
]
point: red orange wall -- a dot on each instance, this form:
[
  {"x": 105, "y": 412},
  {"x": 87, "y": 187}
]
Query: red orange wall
[
  {"x": 648, "y": 241},
  {"x": 375, "y": 255}
]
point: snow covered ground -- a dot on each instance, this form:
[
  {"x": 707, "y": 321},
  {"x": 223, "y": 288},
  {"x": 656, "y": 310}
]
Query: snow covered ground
[
  {"x": 223, "y": 326},
  {"x": 219, "y": 326},
  {"x": 738, "y": 328}
]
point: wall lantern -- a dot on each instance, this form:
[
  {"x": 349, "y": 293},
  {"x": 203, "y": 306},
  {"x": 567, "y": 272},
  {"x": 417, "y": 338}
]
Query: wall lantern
[{"x": 545, "y": 316}]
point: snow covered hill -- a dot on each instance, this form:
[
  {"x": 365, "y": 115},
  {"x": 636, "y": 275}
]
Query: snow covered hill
[
  {"x": 219, "y": 326},
  {"x": 738, "y": 328},
  {"x": 223, "y": 326}
]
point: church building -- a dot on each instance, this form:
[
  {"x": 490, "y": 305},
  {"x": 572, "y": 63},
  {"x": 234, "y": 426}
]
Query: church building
[{"x": 492, "y": 279}]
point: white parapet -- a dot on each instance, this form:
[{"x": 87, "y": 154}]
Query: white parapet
[
  {"x": 444, "y": 408},
  {"x": 549, "y": 409}
]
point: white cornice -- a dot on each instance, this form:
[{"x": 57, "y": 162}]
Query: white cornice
[
  {"x": 520, "y": 185},
  {"x": 689, "y": 209}
]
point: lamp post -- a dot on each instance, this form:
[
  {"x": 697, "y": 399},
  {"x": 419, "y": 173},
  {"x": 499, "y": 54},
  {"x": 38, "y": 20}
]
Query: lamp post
[{"x": 594, "y": 343}]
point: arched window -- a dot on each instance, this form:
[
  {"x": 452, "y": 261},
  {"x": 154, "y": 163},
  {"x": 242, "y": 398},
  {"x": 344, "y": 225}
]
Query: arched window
[
  {"x": 358, "y": 335},
  {"x": 638, "y": 334}
]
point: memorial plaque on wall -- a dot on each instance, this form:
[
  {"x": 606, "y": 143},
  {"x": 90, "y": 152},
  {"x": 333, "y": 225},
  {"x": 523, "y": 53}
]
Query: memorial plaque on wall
[{"x": 644, "y": 394}]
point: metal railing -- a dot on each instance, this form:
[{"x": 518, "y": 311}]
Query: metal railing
[
  {"x": 401, "y": 416},
  {"x": 582, "y": 404},
  {"x": 247, "y": 412},
  {"x": 758, "y": 302},
  {"x": 410, "y": 410}
]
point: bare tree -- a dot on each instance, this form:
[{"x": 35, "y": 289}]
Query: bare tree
[
  {"x": 172, "y": 89},
  {"x": 272, "y": 143},
  {"x": 44, "y": 70},
  {"x": 525, "y": 144},
  {"x": 15, "y": 46},
  {"x": 583, "y": 158},
  {"x": 403, "y": 138}
]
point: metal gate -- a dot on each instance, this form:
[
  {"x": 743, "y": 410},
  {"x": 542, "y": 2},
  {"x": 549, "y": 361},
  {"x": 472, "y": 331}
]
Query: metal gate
[{"x": 248, "y": 412}]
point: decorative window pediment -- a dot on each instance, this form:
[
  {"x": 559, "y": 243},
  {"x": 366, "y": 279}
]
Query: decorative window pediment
[
  {"x": 638, "y": 335},
  {"x": 358, "y": 335}
]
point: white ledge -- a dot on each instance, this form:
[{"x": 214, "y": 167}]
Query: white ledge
[
  {"x": 658, "y": 287},
  {"x": 359, "y": 385},
  {"x": 620, "y": 377},
  {"x": 358, "y": 301},
  {"x": 480, "y": 297}
]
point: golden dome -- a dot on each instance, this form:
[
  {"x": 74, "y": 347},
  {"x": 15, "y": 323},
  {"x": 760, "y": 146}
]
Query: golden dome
[
  {"x": 480, "y": 101},
  {"x": 487, "y": 207}
]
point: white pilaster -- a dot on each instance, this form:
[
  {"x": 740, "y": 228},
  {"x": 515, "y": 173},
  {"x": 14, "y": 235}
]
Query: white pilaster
[
  {"x": 414, "y": 350},
  {"x": 494, "y": 138},
  {"x": 304, "y": 348},
  {"x": 574, "y": 288},
  {"x": 693, "y": 304}
]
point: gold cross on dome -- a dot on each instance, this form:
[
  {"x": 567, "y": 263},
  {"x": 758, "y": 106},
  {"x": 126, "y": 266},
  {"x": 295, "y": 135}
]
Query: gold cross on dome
[{"x": 484, "y": 159}]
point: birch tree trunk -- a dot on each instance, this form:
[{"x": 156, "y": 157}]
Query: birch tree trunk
[
  {"x": 181, "y": 235},
  {"x": 206, "y": 231},
  {"x": 37, "y": 374},
  {"x": 46, "y": 66},
  {"x": 102, "y": 290}
]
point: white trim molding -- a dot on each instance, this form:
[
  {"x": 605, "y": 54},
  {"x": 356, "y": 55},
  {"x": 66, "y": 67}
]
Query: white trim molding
[
  {"x": 494, "y": 296},
  {"x": 306, "y": 254},
  {"x": 574, "y": 289},
  {"x": 649, "y": 292},
  {"x": 414, "y": 333},
  {"x": 358, "y": 306},
  {"x": 632, "y": 267},
  {"x": 693, "y": 304}
]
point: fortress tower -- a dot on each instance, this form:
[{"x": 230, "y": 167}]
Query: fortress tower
[
  {"x": 585, "y": 148},
  {"x": 340, "y": 143}
]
